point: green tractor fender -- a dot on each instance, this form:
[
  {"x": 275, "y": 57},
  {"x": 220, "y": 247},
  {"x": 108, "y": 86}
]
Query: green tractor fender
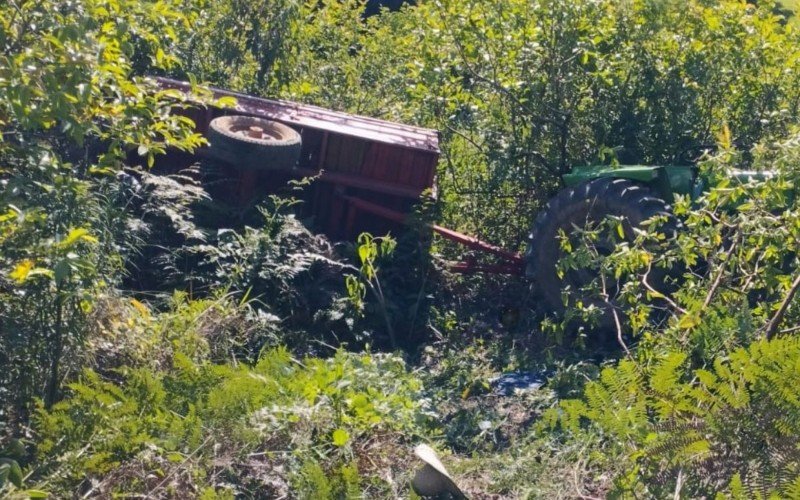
[{"x": 666, "y": 180}]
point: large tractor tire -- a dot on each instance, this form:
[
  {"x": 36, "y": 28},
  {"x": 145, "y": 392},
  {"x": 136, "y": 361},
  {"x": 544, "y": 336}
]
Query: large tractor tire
[
  {"x": 253, "y": 143},
  {"x": 574, "y": 207}
]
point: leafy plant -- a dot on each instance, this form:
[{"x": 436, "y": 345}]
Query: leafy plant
[
  {"x": 194, "y": 413},
  {"x": 370, "y": 250},
  {"x": 699, "y": 406},
  {"x": 238, "y": 44},
  {"x": 698, "y": 432},
  {"x": 71, "y": 109}
]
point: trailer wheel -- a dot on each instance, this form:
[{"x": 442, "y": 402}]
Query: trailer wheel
[
  {"x": 573, "y": 207},
  {"x": 253, "y": 143}
]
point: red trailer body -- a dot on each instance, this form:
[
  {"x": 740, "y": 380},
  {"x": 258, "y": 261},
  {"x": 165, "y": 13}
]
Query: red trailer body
[
  {"x": 369, "y": 172},
  {"x": 378, "y": 161}
]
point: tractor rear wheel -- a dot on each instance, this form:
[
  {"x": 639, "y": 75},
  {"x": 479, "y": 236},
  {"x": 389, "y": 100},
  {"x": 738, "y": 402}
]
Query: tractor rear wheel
[{"x": 575, "y": 207}]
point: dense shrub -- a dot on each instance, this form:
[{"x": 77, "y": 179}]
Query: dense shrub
[
  {"x": 281, "y": 265},
  {"x": 731, "y": 427},
  {"x": 126, "y": 332},
  {"x": 186, "y": 240},
  {"x": 177, "y": 427},
  {"x": 70, "y": 111},
  {"x": 703, "y": 404},
  {"x": 237, "y": 43}
]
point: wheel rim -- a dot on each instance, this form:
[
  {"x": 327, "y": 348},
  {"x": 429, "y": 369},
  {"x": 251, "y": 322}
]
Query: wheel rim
[{"x": 256, "y": 132}]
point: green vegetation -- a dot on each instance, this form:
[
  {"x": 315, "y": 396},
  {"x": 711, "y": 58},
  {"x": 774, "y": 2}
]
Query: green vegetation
[
  {"x": 202, "y": 424},
  {"x": 143, "y": 351}
]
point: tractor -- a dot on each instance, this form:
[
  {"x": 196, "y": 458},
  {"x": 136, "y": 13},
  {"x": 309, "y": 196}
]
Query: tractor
[{"x": 632, "y": 193}]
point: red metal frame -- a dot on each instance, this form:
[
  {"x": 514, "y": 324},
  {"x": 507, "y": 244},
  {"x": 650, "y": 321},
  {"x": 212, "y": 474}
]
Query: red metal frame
[
  {"x": 360, "y": 182},
  {"x": 515, "y": 263},
  {"x": 392, "y": 160},
  {"x": 304, "y": 115}
]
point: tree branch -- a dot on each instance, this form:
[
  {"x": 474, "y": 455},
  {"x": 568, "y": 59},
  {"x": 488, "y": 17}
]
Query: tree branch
[
  {"x": 772, "y": 327},
  {"x": 720, "y": 272}
]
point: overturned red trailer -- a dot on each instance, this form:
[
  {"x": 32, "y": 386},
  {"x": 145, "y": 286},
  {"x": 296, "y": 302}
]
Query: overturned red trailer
[{"x": 368, "y": 173}]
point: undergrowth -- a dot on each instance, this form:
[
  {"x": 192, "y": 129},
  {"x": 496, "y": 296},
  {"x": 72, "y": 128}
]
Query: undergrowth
[{"x": 282, "y": 424}]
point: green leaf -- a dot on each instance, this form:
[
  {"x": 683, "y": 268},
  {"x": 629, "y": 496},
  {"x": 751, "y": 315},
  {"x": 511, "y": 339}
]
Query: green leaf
[
  {"x": 689, "y": 321},
  {"x": 21, "y": 272},
  {"x": 10, "y": 469},
  {"x": 359, "y": 401},
  {"x": 15, "y": 448},
  {"x": 226, "y": 102},
  {"x": 364, "y": 253},
  {"x": 62, "y": 271},
  {"x": 340, "y": 437},
  {"x": 76, "y": 235}
]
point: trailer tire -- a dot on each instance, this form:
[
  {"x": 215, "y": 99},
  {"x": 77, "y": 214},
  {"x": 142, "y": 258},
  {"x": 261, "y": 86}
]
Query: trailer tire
[
  {"x": 278, "y": 148},
  {"x": 591, "y": 201}
]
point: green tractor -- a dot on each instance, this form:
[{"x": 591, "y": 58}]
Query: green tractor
[{"x": 633, "y": 193}]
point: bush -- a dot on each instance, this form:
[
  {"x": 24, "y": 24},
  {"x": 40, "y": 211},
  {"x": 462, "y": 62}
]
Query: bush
[
  {"x": 71, "y": 111},
  {"x": 197, "y": 425},
  {"x": 237, "y": 44},
  {"x": 732, "y": 427},
  {"x": 124, "y": 332},
  {"x": 280, "y": 265},
  {"x": 700, "y": 405}
]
